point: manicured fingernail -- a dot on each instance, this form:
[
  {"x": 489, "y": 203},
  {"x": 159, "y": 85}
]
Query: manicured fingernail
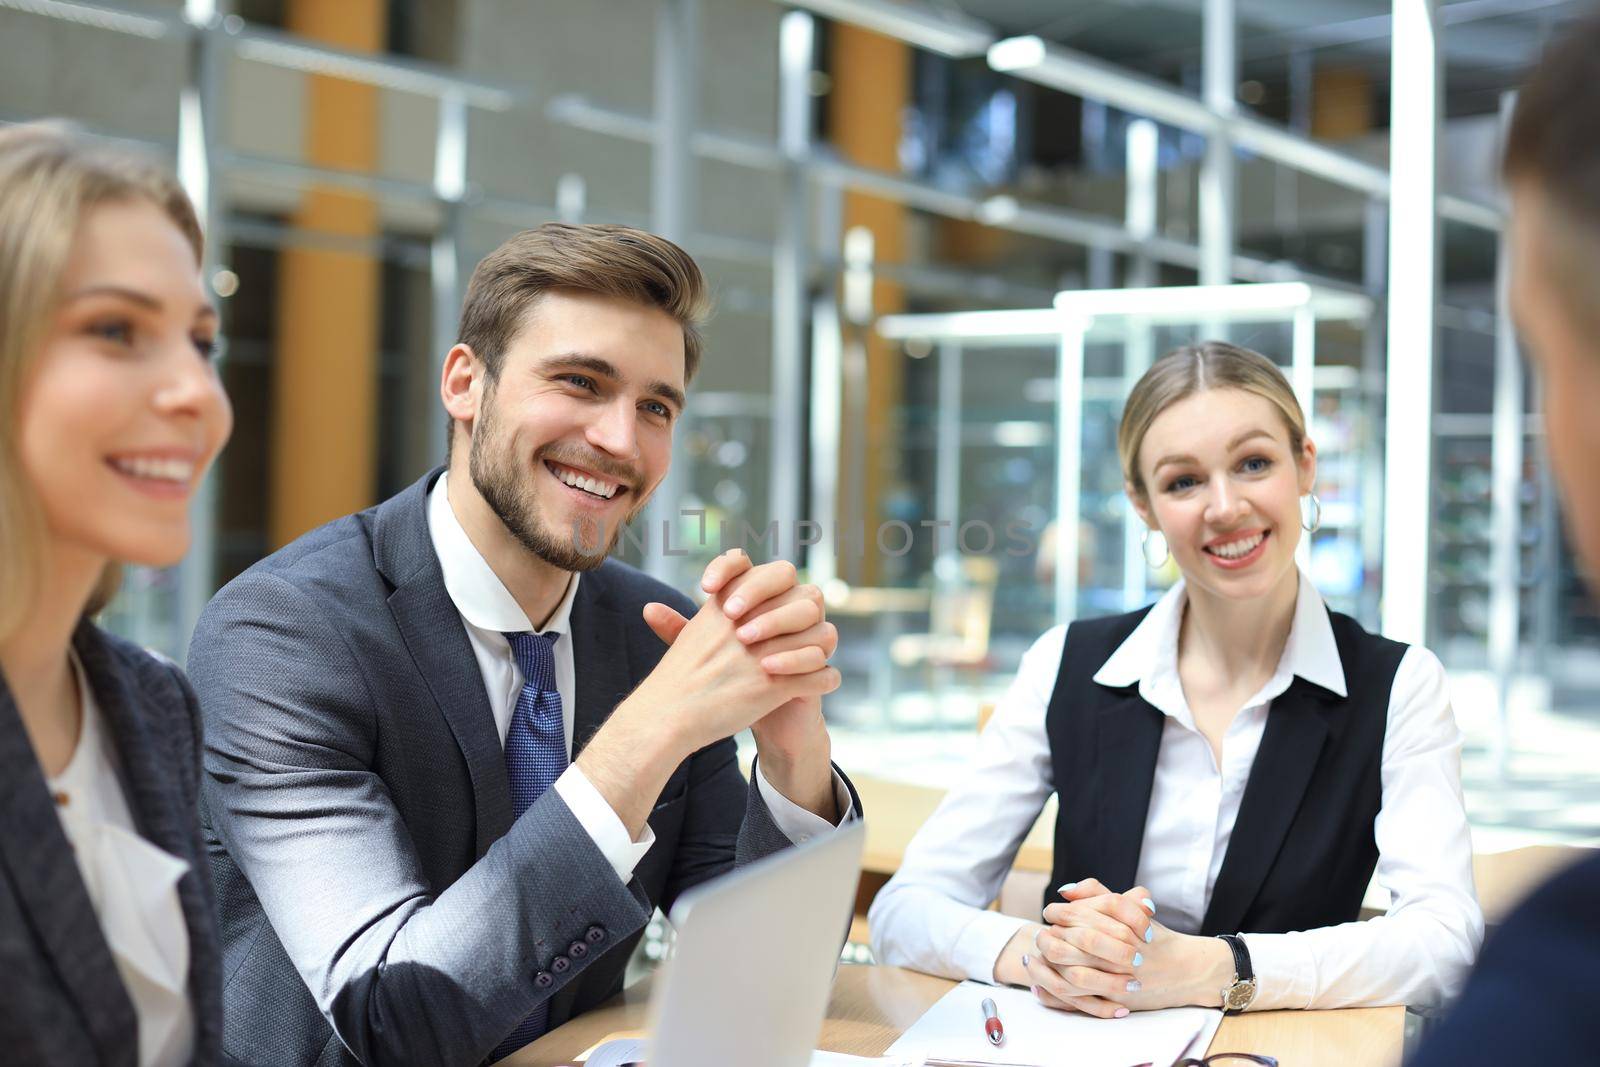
[
  {"x": 749, "y": 632},
  {"x": 1150, "y": 933},
  {"x": 1138, "y": 958},
  {"x": 734, "y": 552},
  {"x": 1122, "y": 1013},
  {"x": 1134, "y": 987},
  {"x": 1147, "y": 902},
  {"x": 1034, "y": 990},
  {"x": 735, "y": 607},
  {"x": 1069, "y": 887}
]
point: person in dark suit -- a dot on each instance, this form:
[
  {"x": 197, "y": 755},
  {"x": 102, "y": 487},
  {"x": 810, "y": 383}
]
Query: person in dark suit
[
  {"x": 1532, "y": 997},
  {"x": 110, "y": 414},
  {"x": 455, "y": 755},
  {"x": 1232, "y": 763}
]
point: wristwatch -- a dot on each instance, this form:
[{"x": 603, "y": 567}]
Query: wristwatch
[{"x": 1237, "y": 994}]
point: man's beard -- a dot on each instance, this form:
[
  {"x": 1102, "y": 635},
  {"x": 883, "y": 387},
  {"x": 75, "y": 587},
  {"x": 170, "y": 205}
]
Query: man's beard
[{"x": 509, "y": 492}]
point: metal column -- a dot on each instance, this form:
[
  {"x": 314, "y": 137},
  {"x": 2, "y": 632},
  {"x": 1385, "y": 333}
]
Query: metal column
[
  {"x": 1218, "y": 179},
  {"x": 198, "y": 115},
  {"x": 947, "y": 463},
  {"x": 852, "y": 387},
  {"x": 825, "y": 499},
  {"x": 1413, "y": 298},
  {"x": 1505, "y": 525},
  {"x": 1374, "y": 279},
  {"x": 677, "y": 73},
  {"x": 1303, "y": 376},
  {"x": 444, "y": 261},
  {"x": 1140, "y": 214},
  {"x": 796, "y": 42},
  {"x": 827, "y": 371},
  {"x": 1069, "y": 464}
]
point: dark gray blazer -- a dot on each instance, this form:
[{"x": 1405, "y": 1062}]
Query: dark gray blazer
[
  {"x": 378, "y": 902},
  {"x": 63, "y": 1000}
]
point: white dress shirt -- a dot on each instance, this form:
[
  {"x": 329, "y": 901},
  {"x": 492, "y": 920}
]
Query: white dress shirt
[
  {"x": 133, "y": 886},
  {"x": 931, "y": 914},
  {"x": 489, "y": 612}
]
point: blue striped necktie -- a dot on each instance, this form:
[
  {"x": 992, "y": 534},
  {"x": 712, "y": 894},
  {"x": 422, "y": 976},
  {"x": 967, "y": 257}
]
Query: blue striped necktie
[{"x": 536, "y": 754}]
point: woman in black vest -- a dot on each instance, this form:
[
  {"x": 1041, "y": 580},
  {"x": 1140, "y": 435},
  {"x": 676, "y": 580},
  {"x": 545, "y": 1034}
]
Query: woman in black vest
[{"x": 1231, "y": 763}]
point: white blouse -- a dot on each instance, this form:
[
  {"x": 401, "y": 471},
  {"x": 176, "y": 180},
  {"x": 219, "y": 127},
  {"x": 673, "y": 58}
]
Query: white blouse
[
  {"x": 931, "y": 915},
  {"x": 133, "y": 886}
]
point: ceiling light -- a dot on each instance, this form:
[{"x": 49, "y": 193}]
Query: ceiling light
[{"x": 947, "y": 33}]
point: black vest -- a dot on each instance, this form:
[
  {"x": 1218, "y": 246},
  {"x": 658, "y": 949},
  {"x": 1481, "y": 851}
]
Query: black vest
[{"x": 1302, "y": 850}]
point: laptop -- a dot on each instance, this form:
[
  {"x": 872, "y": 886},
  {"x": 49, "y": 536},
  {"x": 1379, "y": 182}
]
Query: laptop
[{"x": 756, "y": 952}]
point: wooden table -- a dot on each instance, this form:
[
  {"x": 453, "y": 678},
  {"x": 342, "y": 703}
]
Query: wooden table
[{"x": 872, "y": 1006}]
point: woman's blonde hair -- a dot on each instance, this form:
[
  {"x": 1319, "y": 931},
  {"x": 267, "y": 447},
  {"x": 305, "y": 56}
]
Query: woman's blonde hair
[
  {"x": 1192, "y": 369},
  {"x": 50, "y": 178}
]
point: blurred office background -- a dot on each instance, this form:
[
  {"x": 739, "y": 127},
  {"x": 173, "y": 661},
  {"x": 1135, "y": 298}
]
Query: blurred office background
[{"x": 856, "y": 177}]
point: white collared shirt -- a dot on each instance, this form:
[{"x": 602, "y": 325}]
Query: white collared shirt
[
  {"x": 931, "y": 914},
  {"x": 133, "y": 887},
  {"x": 489, "y": 612}
]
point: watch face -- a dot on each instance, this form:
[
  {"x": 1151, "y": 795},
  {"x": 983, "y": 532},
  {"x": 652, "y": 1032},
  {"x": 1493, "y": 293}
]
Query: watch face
[{"x": 1238, "y": 996}]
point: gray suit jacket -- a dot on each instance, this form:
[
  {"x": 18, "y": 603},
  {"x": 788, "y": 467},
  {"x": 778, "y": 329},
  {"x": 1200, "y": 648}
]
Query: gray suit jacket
[
  {"x": 64, "y": 1002},
  {"x": 379, "y": 904}
]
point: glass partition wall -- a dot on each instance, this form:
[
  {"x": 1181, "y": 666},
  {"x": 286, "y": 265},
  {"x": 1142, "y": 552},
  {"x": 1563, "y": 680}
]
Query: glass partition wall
[
  {"x": 1104, "y": 341},
  {"x": 1011, "y": 477}
]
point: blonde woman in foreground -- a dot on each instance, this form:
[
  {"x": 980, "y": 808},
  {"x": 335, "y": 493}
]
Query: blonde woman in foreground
[
  {"x": 1231, "y": 763},
  {"x": 110, "y": 414}
]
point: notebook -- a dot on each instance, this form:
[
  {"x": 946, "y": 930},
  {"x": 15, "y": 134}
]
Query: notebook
[
  {"x": 950, "y": 1034},
  {"x": 630, "y": 1052}
]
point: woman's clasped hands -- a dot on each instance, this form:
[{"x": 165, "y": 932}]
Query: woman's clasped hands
[{"x": 1105, "y": 954}]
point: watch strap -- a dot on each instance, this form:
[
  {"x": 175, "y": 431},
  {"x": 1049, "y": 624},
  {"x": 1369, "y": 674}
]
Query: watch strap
[{"x": 1241, "y": 957}]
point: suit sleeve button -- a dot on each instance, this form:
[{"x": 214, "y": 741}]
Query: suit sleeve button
[
  {"x": 560, "y": 964},
  {"x": 544, "y": 980},
  {"x": 595, "y": 935},
  {"x": 577, "y": 950}
]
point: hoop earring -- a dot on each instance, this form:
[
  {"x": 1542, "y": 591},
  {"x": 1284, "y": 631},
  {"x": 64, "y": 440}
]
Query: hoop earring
[
  {"x": 1144, "y": 549},
  {"x": 1316, "y": 510}
]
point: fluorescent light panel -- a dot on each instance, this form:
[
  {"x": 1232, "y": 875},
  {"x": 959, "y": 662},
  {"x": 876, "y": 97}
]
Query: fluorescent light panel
[
  {"x": 948, "y": 34},
  {"x": 293, "y": 53},
  {"x": 1043, "y": 324},
  {"x": 1413, "y": 294},
  {"x": 101, "y": 18},
  {"x": 1081, "y": 75},
  {"x": 1186, "y": 299},
  {"x": 1173, "y": 304}
]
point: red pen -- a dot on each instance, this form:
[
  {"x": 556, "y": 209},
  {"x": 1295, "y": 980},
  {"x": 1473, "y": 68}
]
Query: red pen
[{"x": 991, "y": 1023}]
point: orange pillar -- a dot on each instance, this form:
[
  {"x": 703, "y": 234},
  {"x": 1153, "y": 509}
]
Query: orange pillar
[
  {"x": 871, "y": 90},
  {"x": 1341, "y": 103},
  {"x": 325, "y": 369}
]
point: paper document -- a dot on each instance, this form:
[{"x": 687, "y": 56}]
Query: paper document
[
  {"x": 617, "y": 1053},
  {"x": 624, "y": 1051},
  {"x": 951, "y": 1032}
]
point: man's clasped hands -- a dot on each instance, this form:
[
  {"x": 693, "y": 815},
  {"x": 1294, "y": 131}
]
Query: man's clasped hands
[{"x": 761, "y": 644}]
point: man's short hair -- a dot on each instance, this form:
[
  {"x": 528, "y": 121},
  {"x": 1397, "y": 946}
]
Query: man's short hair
[
  {"x": 605, "y": 260},
  {"x": 1554, "y": 145}
]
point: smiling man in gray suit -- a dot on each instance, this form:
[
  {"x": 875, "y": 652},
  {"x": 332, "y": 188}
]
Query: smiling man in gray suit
[{"x": 455, "y": 755}]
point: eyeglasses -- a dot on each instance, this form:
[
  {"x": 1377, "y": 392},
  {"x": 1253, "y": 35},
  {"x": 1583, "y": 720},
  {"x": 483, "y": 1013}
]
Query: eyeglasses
[{"x": 1227, "y": 1059}]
